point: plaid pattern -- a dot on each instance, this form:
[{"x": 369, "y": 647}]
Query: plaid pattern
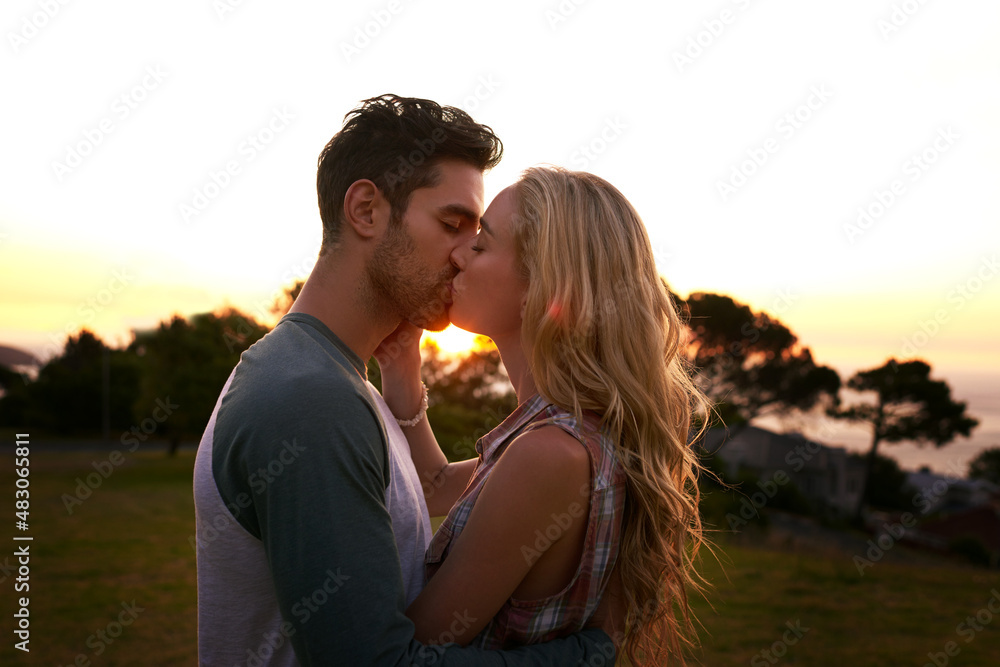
[{"x": 522, "y": 622}]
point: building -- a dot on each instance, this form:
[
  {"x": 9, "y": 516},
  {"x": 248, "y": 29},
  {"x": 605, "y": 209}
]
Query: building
[
  {"x": 945, "y": 494},
  {"x": 829, "y": 476}
]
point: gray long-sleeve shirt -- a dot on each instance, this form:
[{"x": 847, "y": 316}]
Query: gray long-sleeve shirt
[{"x": 297, "y": 561}]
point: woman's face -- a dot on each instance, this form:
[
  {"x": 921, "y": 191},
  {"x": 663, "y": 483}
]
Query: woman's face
[{"x": 488, "y": 291}]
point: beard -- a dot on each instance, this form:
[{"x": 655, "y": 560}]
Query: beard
[{"x": 402, "y": 285}]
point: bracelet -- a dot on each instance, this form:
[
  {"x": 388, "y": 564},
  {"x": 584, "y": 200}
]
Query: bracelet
[{"x": 420, "y": 415}]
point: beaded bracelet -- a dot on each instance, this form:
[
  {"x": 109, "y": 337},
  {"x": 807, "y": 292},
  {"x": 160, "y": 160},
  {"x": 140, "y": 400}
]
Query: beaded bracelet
[{"x": 420, "y": 415}]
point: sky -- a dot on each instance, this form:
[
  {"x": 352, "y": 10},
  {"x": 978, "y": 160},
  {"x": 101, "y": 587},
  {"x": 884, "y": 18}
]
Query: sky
[{"x": 834, "y": 164}]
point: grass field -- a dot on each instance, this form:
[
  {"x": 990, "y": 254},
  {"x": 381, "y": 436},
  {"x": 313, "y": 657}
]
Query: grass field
[{"x": 129, "y": 541}]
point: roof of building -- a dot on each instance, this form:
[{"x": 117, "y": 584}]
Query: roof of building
[{"x": 769, "y": 450}]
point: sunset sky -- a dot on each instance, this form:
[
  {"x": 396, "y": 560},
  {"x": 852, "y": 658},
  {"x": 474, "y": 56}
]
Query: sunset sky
[{"x": 836, "y": 164}]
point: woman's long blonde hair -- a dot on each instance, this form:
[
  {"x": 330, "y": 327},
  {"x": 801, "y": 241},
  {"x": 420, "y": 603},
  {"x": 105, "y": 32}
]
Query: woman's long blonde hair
[{"x": 602, "y": 334}]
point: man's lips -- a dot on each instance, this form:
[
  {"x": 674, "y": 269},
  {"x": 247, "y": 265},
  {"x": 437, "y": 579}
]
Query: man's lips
[{"x": 449, "y": 289}]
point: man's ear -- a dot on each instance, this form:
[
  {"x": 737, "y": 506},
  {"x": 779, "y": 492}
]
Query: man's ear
[{"x": 365, "y": 209}]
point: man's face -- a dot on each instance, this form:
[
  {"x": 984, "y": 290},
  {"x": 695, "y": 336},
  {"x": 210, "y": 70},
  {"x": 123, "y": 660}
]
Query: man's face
[{"x": 411, "y": 268}]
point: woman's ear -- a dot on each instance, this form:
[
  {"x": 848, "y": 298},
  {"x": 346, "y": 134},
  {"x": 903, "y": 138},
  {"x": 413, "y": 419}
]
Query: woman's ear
[{"x": 362, "y": 208}]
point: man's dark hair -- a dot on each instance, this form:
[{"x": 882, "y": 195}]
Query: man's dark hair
[{"x": 397, "y": 142}]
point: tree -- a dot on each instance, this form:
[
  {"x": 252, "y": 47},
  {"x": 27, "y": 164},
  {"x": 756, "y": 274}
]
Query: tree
[
  {"x": 475, "y": 380},
  {"x": 469, "y": 394},
  {"x": 68, "y": 396},
  {"x": 289, "y": 295},
  {"x": 16, "y": 368},
  {"x": 986, "y": 465},
  {"x": 904, "y": 404},
  {"x": 887, "y": 487},
  {"x": 185, "y": 364},
  {"x": 14, "y": 401},
  {"x": 750, "y": 363}
]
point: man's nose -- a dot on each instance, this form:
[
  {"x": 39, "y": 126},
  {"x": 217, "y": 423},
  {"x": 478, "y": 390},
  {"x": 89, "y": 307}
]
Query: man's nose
[{"x": 458, "y": 256}]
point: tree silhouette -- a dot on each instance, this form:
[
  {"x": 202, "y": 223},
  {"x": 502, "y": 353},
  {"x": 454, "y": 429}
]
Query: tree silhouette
[
  {"x": 986, "y": 465},
  {"x": 185, "y": 363},
  {"x": 469, "y": 394},
  {"x": 905, "y": 405},
  {"x": 474, "y": 380},
  {"x": 887, "y": 487},
  {"x": 287, "y": 298},
  {"x": 14, "y": 399},
  {"x": 68, "y": 396},
  {"x": 750, "y": 363}
]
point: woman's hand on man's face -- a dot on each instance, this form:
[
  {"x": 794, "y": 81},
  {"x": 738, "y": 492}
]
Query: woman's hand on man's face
[{"x": 398, "y": 358}]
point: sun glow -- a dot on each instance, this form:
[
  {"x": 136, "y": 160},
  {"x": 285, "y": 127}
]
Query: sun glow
[{"x": 454, "y": 341}]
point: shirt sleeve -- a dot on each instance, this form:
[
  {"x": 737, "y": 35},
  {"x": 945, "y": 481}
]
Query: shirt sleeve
[{"x": 318, "y": 490}]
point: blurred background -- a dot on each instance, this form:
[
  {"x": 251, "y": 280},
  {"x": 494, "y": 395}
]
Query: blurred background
[{"x": 819, "y": 186}]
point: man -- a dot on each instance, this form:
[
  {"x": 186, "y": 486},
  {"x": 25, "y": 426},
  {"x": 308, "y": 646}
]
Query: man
[{"x": 311, "y": 521}]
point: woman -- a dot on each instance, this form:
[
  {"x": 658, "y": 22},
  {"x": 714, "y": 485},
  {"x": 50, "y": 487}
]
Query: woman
[{"x": 562, "y": 278}]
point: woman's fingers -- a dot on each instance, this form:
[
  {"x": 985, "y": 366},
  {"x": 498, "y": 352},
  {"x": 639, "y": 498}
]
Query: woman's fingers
[{"x": 402, "y": 344}]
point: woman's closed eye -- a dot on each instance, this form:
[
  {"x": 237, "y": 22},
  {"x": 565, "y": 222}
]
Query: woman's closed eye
[{"x": 477, "y": 242}]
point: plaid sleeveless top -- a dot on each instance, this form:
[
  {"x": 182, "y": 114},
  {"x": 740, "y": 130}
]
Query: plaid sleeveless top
[{"x": 522, "y": 622}]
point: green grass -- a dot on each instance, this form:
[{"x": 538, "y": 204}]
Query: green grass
[
  {"x": 892, "y": 615},
  {"x": 129, "y": 541}
]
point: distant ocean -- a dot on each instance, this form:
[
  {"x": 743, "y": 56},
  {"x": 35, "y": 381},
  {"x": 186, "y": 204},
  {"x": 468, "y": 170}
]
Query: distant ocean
[{"x": 980, "y": 392}]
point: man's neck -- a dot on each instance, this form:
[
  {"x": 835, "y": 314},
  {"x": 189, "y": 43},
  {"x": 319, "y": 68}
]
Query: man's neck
[{"x": 333, "y": 295}]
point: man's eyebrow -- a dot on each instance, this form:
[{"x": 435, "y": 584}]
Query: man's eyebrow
[{"x": 459, "y": 210}]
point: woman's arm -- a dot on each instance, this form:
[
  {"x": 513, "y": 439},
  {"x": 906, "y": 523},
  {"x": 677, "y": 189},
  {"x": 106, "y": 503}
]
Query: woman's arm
[
  {"x": 535, "y": 485},
  {"x": 443, "y": 482},
  {"x": 399, "y": 360}
]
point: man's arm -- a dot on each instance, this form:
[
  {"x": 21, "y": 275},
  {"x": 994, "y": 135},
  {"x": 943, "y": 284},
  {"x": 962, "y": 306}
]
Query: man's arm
[{"x": 329, "y": 542}]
